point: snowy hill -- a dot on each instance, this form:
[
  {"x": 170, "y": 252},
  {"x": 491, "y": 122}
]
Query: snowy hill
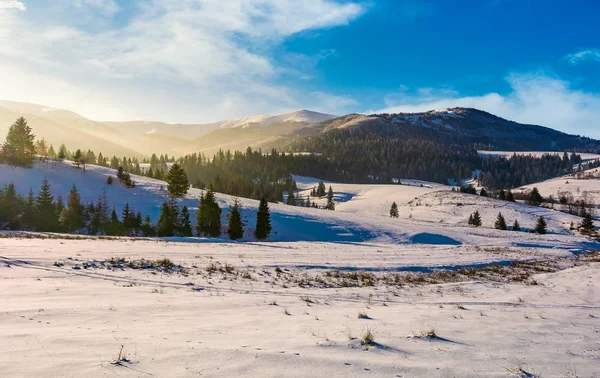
[
  {"x": 298, "y": 116},
  {"x": 431, "y": 214}
]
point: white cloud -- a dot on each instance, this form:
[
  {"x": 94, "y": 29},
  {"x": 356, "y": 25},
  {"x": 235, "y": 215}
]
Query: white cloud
[
  {"x": 583, "y": 55},
  {"x": 12, "y": 4},
  {"x": 534, "y": 99},
  {"x": 206, "y": 59},
  {"x": 330, "y": 103},
  {"x": 105, "y": 6}
]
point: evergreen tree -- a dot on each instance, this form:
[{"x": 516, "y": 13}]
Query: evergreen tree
[
  {"x": 510, "y": 197},
  {"x": 394, "y": 210},
  {"x": 475, "y": 219},
  {"x": 209, "y": 215},
  {"x": 19, "y": 148},
  {"x": 185, "y": 226},
  {"x": 321, "y": 189},
  {"x": 500, "y": 222},
  {"x": 101, "y": 214},
  {"x": 330, "y": 204},
  {"x": 62, "y": 152},
  {"x": 516, "y": 226},
  {"x": 28, "y": 220},
  {"x": 10, "y": 207},
  {"x": 128, "y": 218},
  {"x": 177, "y": 181},
  {"x": 541, "y": 226},
  {"x": 587, "y": 224},
  {"x": 51, "y": 152},
  {"x": 166, "y": 221},
  {"x": 291, "y": 198},
  {"x": 72, "y": 219},
  {"x": 235, "y": 227},
  {"x": 147, "y": 227},
  {"x": 263, "y": 220},
  {"x": 483, "y": 192},
  {"x": 46, "y": 217},
  {"x": 535, "y": 198},
  {"x": 114, "y": 226},
  {"x": 502, "y": 195}
]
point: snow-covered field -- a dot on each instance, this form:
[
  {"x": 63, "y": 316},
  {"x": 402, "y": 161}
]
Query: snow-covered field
[
  {"x": 579, "y": 186},
  {"x": 290, "y": 306}
]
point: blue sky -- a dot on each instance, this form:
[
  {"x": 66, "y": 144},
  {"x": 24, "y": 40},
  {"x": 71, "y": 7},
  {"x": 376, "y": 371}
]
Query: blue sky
[{"x": 531, "y": 61}]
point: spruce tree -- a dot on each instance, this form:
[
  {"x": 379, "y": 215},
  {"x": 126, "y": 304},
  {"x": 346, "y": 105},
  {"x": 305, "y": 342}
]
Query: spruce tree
[
  {"x": 165, "y": 223},
  {"x": 185, "y": 226},
  {"x": 510, "y": 197},
  {"x": 46, "y": 217},
  {"x": 128, "y": 218},
  {"x": 541, "y": 226},
  {"x": 263, "y": 220},
  {"x": 475, "y": 219},
  {"x": 535, "y": 198},
  {"x": 177, "y": 181},
  {"x": 483, "y": 192},
  {"x": 394, "y": 210},
  {"x": 291, "y": 199},
  {"x": 587, "y": 224},
  {"x": 19, "y": 148},
  {"x": 330, "y": 204},
  {"x": 10, "y": 207},
  {"x": 28, "y": 220},
  {"x": 147, "y": 227},
  {"x": 235, "y": 227},
  {"x": 320, "y": 189},
  {"x": 114, "y": 226},
  {"x": 209, "y": 215},
  {"x": 500, "y": 222},
  {"x": 502, "y": 195},
  {"x": 62, "y": 152},
  {"x": 516, "y": 226},
  {"x": 73, "y": 217}
]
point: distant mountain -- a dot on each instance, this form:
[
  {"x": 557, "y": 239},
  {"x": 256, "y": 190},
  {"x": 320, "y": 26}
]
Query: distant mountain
[
  {"x": 299, "y": 116},
  {"x": 462, "y": 126}
]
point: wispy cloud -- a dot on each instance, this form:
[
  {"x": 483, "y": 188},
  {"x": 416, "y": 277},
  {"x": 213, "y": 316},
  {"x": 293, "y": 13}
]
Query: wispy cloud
[
  {"x": 583, "y": 55},
  {"x": 209, "y": 59},
  {"x": 12, "y": 4},
  {"x": 534, "y": 98},
  {"x": 330, "y": 103}
]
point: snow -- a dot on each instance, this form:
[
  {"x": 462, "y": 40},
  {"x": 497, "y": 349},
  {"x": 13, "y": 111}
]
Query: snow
[{"x": 61, "y": 308}]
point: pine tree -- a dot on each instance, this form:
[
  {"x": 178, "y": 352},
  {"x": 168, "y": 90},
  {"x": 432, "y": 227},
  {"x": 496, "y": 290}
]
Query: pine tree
[
  {"x": 263, "y": 220},
  {"x": 541, "y": 226},
  {"x": 394, "y": 210},
  {"x": 321, "y": 189},
  {"x": 502, "y": 195},
  {"x": 62, "y": 152},
  {"x": 72, "y": 218},
  {"x": 208, "y": 221},
  {"x": 516, "y": 226},
  {"x": 19, "y": 148},
  {"x": 291, "y": 198},
  {"x": 330, "y": 204},
  {"x": 46, "y": 217},
  {"x": 510, "y": 197},
  {"x": 500, "y": 222},
  {"x": 165, "y": 223},
  {"x": 535, "y": 198},
  {"x": 10, "y": 207},
  {"x": 235, "y": 227},
  {"x": 177, "y": 181},
  {"x": 101, "y": 216},
  {"x": 147, "y": 227},
  {"x": 128, "y": 218},
  {"x": 114, "y": 226},
  {"x": 475, "y": 219},
  {"x": 587, "y": 224},
  {"x": 185, "y": 226},
  {"x": 28, "y": 220},
  {"x": 483, "y": 192},
  {"x": 51, "y": 152}
]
